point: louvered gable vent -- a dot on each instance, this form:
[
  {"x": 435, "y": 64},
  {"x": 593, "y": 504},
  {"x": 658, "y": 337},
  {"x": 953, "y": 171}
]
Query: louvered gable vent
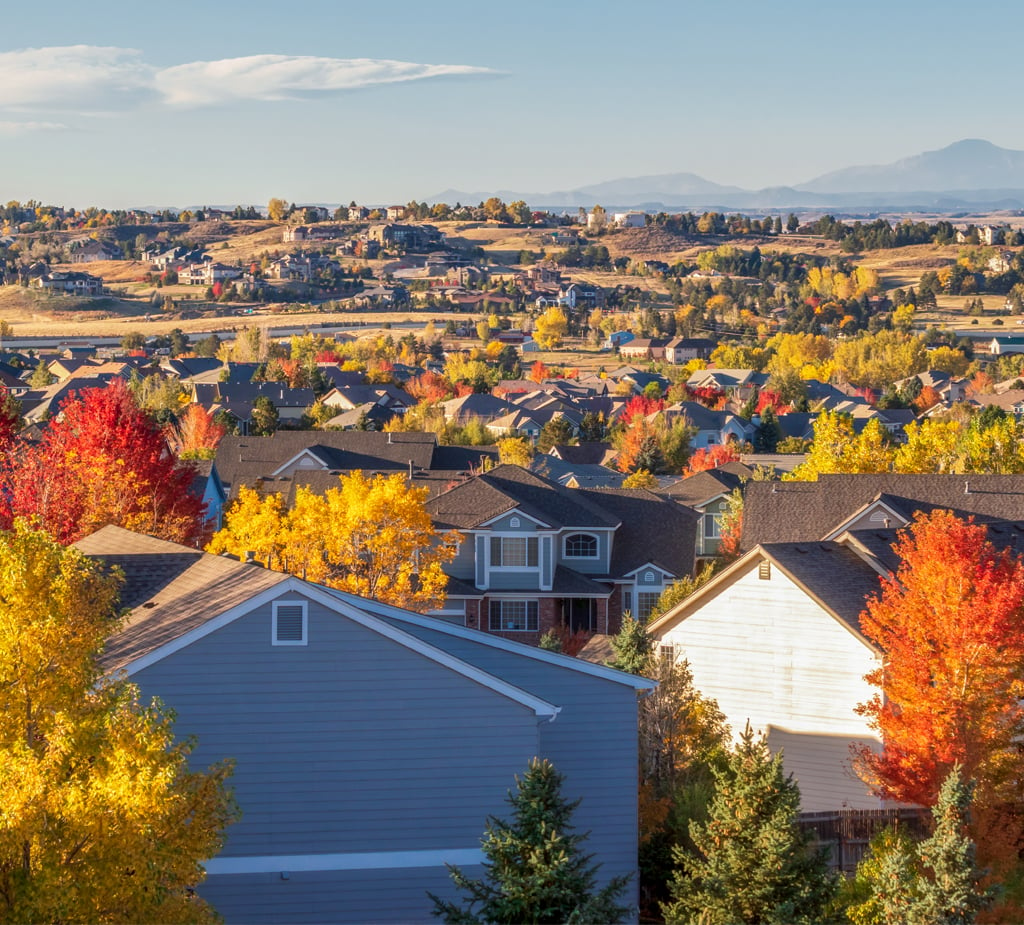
[{"x": 290, "y": 624}]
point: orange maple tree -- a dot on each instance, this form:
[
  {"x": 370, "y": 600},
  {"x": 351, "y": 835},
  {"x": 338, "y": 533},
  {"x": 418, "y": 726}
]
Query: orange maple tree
[{"x": 950, "y": 625}]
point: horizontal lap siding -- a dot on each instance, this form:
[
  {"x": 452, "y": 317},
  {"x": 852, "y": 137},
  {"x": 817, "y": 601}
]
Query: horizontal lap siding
[
  {"x": 365, "y": 896},
  {"x": 351, "y": 743},
  {"x": 593, "y": 742},
  {"x": 767, "y": 653}
]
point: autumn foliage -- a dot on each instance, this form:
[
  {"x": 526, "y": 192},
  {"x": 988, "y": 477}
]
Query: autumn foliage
[
  {"x": 950, "y": 623},
  {"x": 102, "y": 461},
  {"x": 712, "y": 457},
  {"x": 369, "y": 536}
]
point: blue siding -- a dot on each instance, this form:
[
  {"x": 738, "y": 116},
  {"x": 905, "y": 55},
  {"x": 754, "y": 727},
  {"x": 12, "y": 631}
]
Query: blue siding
[
  {"x": 366, "y": 896},
  {"x": 351, "y": 743},
  {"x": 593, "y": 741}
]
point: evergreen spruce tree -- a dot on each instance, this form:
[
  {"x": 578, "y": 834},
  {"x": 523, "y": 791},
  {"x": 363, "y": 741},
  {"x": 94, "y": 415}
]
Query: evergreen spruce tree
[
  {"x": 753, "y": 865},
  {"x": 535, "y": 871},
  {"x": 633, "y": 647},
  {"x": 949, "y": 890}
]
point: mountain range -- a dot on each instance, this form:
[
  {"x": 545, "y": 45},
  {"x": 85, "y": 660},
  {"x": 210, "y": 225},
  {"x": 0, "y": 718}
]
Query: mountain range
[{"x": 969, "y": 174}]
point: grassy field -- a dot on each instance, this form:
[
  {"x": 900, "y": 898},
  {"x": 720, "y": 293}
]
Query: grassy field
[{"x": 129, "y": 307}]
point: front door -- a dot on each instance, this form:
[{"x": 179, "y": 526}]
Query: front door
[{"x": 579, "y": 613}]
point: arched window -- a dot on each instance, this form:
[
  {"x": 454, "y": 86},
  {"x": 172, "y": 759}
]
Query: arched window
[{"x": 580, "y": 546}]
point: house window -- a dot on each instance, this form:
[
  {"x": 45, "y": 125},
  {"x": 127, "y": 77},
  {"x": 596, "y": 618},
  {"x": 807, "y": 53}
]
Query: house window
[
  {"x": 667, "y": 652},
  {"x": 581, "y": 546},
  {"x": 712, "y": 526},
  {"x": 513, "y": 552},
  {"x": 645, "y": 601},
  {"x": 289, "y": 623},
  {"x": 514, "y": 616}
]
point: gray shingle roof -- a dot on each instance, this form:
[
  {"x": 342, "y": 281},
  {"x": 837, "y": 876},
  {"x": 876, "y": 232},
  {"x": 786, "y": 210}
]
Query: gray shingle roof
[
  {"x": 778, "y": 512},
  {"x": 505, "y": 488},
  {"x": 653, "y": 529}
]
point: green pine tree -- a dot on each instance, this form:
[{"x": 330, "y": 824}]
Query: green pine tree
[
  {"x": 949, "y": 890},
  {"x": 633, "y": 647},
  {"x": 753, "y": 865},
  {"x": 535, "y": 871}
]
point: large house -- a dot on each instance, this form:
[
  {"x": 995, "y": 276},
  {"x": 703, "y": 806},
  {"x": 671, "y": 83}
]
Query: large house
[
  {"x": 370, "y": 744},
  {"x": 775, "y": 639},
  {"x": 536, "y": 556}
]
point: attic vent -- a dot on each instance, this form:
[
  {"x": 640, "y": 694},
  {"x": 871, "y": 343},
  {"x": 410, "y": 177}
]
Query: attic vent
[
  {"x": 764, "y": 571},
  {"x": 649, "y": 577},
  {"x": 289, "y": 623},
  {"x": 514, "y": 523}
]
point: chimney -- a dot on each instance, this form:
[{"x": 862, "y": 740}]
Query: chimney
[{"x": 250, "y": 558}]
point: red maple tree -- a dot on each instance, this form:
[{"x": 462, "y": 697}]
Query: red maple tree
[
  {"x": 711, "y": 458},
  {"x": 950, "y": 625},
  {"x": 103, "y": 461}
]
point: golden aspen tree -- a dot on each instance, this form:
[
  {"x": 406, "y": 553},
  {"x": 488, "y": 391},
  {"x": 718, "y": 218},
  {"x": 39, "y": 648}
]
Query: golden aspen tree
[{"x": 102, "y": 819}]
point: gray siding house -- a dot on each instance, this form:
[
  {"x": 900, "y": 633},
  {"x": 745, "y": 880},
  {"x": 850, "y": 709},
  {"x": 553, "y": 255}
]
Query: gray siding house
[{"x": 370, "y": 744}]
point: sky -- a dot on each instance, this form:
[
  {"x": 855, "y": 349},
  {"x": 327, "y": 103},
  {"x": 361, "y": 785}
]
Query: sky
[{"x": 118, "y": 103}]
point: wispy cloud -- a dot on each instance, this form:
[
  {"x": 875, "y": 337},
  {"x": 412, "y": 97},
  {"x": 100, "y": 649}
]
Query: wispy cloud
[
  {"x": 73, "y": 77},
  {"x": 92, "y": 78},
  {"x": 26, "y": 128},
  {"x": 282, "y": 77}
]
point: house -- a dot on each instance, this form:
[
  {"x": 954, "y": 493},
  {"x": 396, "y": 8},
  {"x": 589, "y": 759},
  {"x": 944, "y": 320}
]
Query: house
[
  {"x": 738, "y": 383},
  {"x": 207, "y": 274},
  {"x": 72, "y": 282},
  {"x": 536, "y": 556},
  {"x": 1008, "y": 343},
  {"x": 708, "y": 493},
  {"x": 277, "y": 462},
  {"x": 90, "y": 251},
  {"x": 806, "y": 512},
  {"x": 644, "y": 348},
  {"x": 775, "y": 639},
  {"x": 712, "y": 428},
  {"x": 629, "y": 219},
  {"x": 370, "y": 745},
  {"x": 683, "y": 349}
]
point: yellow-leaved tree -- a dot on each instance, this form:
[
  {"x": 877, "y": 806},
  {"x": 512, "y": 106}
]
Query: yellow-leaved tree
[
  {"x": 102, "y": 819},
  {"x": 368, "y": 536},
  {"x": 550, "y": 328}
]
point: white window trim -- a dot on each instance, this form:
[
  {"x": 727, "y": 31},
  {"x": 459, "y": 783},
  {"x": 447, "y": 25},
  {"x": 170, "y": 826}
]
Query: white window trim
[
  {"x": 565, "y": 546},
  {"x": 305, "y": 624},
  {"x": 501, "y": 602},
  {"x": 526, "y": 537}
]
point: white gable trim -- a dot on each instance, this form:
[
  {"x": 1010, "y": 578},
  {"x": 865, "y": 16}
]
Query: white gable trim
[
  {"x": 872, "y": 506},
  {"x": 513, "y": 511},
  {"x": 543, "y": 710},
  {"x": 294, "y": 461},
  {"x": 723, "y": 579},
  {"x": 497, "y": 642},
  {"x": 647, "y": 567}
]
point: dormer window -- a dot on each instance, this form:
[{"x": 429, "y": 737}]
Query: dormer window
[{"x": 581, "y": 546}]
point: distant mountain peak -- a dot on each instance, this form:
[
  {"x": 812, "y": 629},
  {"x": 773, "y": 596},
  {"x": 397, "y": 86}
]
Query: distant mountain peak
[{"x": 969, "y": 164}]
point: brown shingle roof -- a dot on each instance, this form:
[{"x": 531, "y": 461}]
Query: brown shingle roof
[{"x": 169, "y": 589}]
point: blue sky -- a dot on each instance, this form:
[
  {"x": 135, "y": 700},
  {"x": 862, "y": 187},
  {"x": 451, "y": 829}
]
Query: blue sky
[{"x": 217, "y": 101}]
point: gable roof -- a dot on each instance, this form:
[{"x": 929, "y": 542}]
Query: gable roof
[
  {"x": 506, "y": 488},
  {"x": 652, "y": 530},
  {"x": 833, "y": 574},
  {"x": 187, "y": 602},
  {"x": 775, "y": 512}
]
